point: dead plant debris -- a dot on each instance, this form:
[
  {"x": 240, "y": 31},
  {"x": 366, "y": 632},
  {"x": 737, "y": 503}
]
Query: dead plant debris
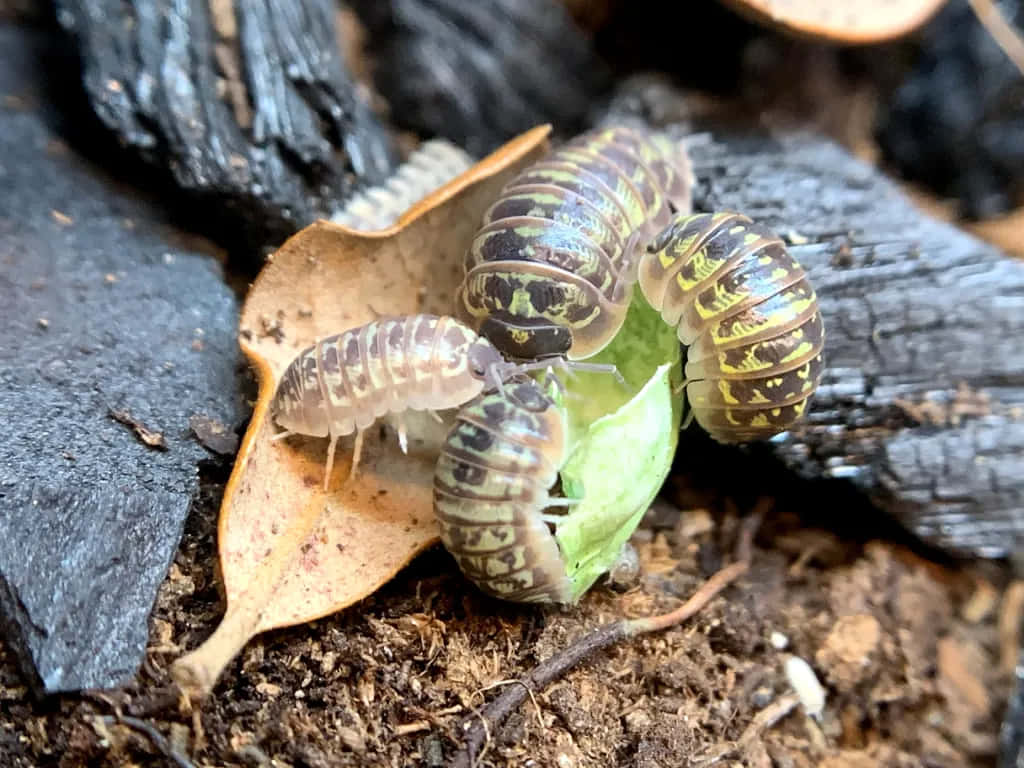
[
  {"x": 214, "y": 435},
  {"x": 148, "y": 436}
]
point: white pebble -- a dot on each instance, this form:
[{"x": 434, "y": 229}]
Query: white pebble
[
  {"x": 806, "y": 685},
  {"x": 779, "y": 641}
]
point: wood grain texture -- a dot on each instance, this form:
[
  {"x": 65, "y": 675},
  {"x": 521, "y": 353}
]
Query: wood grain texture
[
  {"x": 246, "y": 104},
  {"x": 480, "y": 72}
]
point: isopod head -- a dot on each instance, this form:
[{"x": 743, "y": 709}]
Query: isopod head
[
  {"x": 485, "y": 363},
  {"x": 534, "y": 311}
]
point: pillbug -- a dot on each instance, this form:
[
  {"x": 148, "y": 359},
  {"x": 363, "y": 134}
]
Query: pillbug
[
  {"x": 343, "y": 383},
  {"x": 551, "y": 272},
  {"x": 432, "y": 165},
  {"x": 749, "y": 319},
  {"x": 491, "y": 486}
]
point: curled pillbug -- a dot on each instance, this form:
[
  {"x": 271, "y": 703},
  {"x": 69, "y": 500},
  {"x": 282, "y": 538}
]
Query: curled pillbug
[
  {"x": 748, "y": 316},
  {"x": 551, "y": 272},
  {"x": 492, "y": 486},
  {"x": 343, "y": 383}
]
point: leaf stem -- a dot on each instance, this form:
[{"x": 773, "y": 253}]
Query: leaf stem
[{"x": 196, "y": 673}]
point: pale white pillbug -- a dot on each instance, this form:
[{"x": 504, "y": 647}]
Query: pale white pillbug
[{"x": 344, "y": 383}]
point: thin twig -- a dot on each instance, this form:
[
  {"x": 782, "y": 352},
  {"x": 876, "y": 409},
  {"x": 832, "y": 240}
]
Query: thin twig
[
  {"x": 478, "y": 731},
  {"x": 158, "y": 739},
  {"x": 708, "y": 590},
  {"x": 1002, "y": 31},
  {"x": 536, "y": 706},
  {"x": 762, "y": 721}
]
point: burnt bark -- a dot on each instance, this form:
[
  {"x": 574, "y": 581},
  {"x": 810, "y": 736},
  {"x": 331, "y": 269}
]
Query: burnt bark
[
  {"x": 921, "y": 406},
  {"x": 479, "y": 73},
  {"x": 119, "y": 331},
  {"x": 246, "y": 104}
]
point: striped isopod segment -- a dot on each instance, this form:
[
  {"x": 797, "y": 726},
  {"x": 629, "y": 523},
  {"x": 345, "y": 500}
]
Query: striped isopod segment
[
  {"x": 748, "y": 316},
  {"x": 491, "y": 487},
  {"x": 552, "y": 270},
  {"x": 343, "y": 383}
]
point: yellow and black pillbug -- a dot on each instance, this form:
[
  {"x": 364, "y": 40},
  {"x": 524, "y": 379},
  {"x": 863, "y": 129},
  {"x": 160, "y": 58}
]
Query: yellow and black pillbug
[
  {"x": 749, "y": 319},
  {"x": 551, "y": 275},
  {"x": 551, "y": 272}
]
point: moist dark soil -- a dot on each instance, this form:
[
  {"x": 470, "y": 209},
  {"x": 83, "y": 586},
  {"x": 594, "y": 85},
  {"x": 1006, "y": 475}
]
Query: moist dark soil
[{"x": 916, "y": 659}]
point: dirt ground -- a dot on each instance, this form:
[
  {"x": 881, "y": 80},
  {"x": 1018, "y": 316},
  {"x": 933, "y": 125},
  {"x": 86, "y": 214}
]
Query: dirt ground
[{"x": 916, "y": 659}]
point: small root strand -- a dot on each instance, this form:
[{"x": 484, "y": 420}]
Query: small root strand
[{"x": 477, "y": 733}]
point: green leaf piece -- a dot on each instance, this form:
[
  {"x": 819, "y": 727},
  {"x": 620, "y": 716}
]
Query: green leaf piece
[{"x": 624, "y": 438}]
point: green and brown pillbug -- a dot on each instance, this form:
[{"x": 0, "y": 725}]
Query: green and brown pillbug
[
  {"x": 492, "y": 487},
  {"x": 551, "y": 273},
  {"x": 344, "y": 383},
  {"x": 552, "y": 270}
]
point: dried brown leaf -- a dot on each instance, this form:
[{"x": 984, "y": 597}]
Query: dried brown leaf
[
  {"x": 290, "y": 552},
  {"x": 844, "y": 21}
]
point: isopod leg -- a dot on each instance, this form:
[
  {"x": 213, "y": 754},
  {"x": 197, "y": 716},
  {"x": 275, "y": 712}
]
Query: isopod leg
[
  {"x": 676, "y": 391},
  {"x": 496, "y": 377},
  {"x": 403, "y": 436},
  {"x": 357, "y": 453},
  {"x": 561, "y": 501},
  {"x": 558, "y": 501},
  {"x": 687, "y": 421},
  {"x": 597, "y": 368},
  {"x": 330, "y": 460},
  {"x": 281, "y": 436}
]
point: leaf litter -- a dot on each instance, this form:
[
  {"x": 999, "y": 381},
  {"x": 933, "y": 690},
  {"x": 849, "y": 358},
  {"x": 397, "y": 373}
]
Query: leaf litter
[{"x": 290, "y": 552}]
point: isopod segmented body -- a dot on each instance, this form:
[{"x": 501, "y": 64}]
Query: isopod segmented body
[
  {"x": 551, "y": 273},
  {"x": 748, "y": 316},
  {"x": 552, "y": 270},
  {"x": 343, "y": 383},
  {"x": 491, "y": 487}
]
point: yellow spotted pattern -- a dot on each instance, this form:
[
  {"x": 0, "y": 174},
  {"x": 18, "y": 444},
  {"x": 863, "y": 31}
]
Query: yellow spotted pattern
[
  {"x": 749, "y": 317},
  {"x": 583, "y": 215}
]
